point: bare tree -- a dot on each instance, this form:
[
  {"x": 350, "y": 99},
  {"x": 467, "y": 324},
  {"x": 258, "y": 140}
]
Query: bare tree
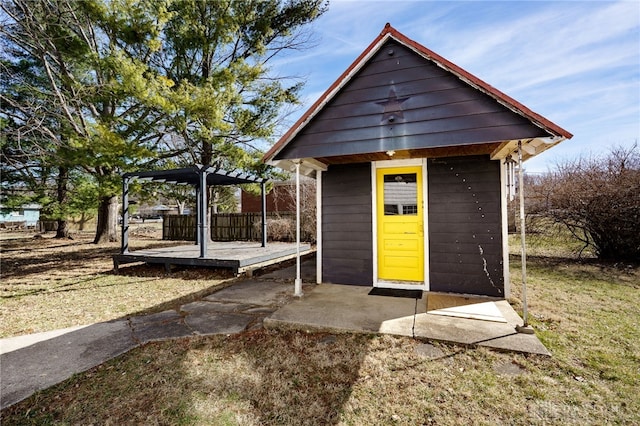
[
  {"x": 285, "y": 201},
  {"x": 597, "y": 199}
]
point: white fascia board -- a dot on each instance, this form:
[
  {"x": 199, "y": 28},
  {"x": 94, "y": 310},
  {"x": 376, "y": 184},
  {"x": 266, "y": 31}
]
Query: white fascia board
[
  {"x": 308, "y": 166},
  {"x": 531, "y": 147}
]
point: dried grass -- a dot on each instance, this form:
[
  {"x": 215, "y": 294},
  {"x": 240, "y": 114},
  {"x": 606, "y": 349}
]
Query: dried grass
[
  {"x": 49, "y": 284},
  {"x": 585, "y": 313}
]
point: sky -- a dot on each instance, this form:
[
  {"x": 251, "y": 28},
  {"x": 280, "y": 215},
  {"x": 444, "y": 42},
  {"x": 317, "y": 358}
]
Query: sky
[{"x": 577, "y": 63}]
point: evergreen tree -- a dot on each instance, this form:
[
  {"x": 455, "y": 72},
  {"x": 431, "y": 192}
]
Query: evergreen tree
[
  {"x": 118, "y": 79},
  {"x": 101, "y": 99}
]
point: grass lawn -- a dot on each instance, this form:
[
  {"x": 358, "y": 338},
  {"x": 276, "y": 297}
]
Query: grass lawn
[
  {"x": 49, "y": 284},
  {"x": 586, "y": 313}
]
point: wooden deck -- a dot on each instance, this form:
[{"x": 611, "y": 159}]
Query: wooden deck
[{"x": 237, "y": 255}]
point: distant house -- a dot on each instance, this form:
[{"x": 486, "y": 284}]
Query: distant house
[
  {"x": 281, "y": 198},
  {"x": 411, "y": 154},
  {"x": 27, "y": 215}
]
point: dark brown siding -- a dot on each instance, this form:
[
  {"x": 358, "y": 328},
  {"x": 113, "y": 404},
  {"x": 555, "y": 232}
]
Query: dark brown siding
[
  {"x": 439, "y": 110},
  {"x": 347, "y": 254},
  {"x": 465, "y": 226}
]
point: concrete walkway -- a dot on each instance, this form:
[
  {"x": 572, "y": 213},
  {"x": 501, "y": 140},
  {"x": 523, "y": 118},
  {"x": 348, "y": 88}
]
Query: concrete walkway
[{"x": 35, "y": 362}]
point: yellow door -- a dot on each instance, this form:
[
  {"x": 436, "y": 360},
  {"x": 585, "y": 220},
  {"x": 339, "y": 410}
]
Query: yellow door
[{"x": 400, "y": 225}]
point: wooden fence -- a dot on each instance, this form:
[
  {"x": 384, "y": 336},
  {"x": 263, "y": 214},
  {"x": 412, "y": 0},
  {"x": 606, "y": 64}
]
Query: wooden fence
[
  {"x": 179, "y": 228},
  {"x": 235, "y": 227}
]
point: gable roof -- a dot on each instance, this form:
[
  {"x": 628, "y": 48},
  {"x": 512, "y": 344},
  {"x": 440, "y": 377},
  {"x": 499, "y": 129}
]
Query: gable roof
[{"x": 555, "y": 133}]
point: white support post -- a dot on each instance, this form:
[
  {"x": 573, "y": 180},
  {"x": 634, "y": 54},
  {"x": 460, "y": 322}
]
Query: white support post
[
  {"x": 525, "y": 326},
  {"x": 319, "y": 227},
  {"x": 298, "y": 281},
  {"x": 504, "y": 197}
]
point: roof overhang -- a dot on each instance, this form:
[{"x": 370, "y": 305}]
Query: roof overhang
[
  {"x": 308, "y": 166},
  {"x": 530, "y": 147}
]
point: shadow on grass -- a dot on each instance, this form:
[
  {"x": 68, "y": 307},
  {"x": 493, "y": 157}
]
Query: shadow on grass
[
  {"x": 75, "y": 283},
  {"x": 18, "y": 245},
  {"x": 52, "y": 262},
  {"x": 258, "y": 377},
  {"x": 253, "y": 377},
  {"x": 41, "y": 258},
  {"x": 47, "y": 362}
]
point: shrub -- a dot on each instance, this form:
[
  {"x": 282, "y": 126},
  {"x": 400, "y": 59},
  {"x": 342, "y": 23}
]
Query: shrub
[
  {"x": 282, "y": 229},
  {"x": 597, "y": 199}
]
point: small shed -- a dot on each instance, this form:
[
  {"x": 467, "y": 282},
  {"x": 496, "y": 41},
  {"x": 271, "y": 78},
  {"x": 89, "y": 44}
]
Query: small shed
[{"x": 412, "y": 156}]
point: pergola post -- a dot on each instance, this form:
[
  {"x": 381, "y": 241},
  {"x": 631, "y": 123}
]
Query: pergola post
[
  {"x": 263, "y": 193},
  {"x": 203, "y": 226},
  {"x": 198, "y": 212},
  {"x": 124, "y": 246}
]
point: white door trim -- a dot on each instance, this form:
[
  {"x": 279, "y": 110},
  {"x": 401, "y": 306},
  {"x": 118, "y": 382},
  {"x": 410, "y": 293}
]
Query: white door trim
[{"x": 375, "y": 165}]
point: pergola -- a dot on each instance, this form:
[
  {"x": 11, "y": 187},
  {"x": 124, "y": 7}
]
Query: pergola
[{"x": 200, "y": 177}]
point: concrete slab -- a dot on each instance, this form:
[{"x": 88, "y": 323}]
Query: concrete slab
[
  {"x": 32, "y": 363},
  {"x": 253, "y": 292},
  {"x": 35, "y": 362},
  {"x": 46, "y": 363},
  {"x": 227, "y": 323},
  {"x": 206, "y": 307},
  {"x": 18, "y": 342},
  {"x": 307, "y": 272},
  {"x": 481, "y": 308},
  {"x": 333, "y": 307},
  {"x": 486, "y": 311},
  {"x": 161, "y": 326},
  {"x": 260, "y": 310},
  {"x": 163, "y": 317}
]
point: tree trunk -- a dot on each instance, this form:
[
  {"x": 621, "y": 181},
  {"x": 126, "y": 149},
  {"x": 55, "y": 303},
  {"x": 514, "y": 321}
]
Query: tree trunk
[
  {"x": 206, "y": 156},
  {"x": 62, "y": 195},
  {"x": 181, "y": 206},
  {"x": 107, "y": 229},
  {"x": 63, "y": 229}
]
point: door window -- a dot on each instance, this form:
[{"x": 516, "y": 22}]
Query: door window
[{"x": 400, "y": 194}]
